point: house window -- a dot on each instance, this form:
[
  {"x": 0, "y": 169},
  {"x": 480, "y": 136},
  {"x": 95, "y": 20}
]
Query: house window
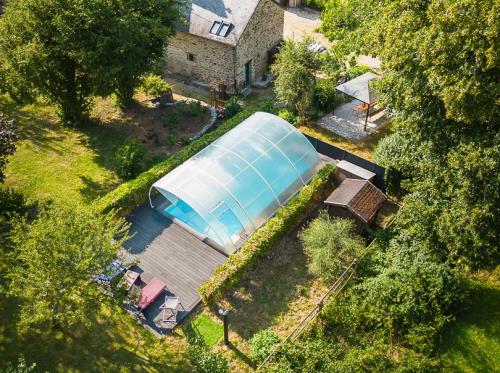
[
  {"x": 220, "y": 28},
  {"x": 190, "y": 57}
]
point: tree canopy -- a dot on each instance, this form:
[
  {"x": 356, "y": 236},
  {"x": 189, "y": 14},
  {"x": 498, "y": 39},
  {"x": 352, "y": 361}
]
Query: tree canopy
[
  {"x": 441, "y": 84},
  {"x": 69, "y": 51},
  {"x": 331, "y": 245},
  {"x": 294, "y": 68},
  {"x": 54, "y": 261}
]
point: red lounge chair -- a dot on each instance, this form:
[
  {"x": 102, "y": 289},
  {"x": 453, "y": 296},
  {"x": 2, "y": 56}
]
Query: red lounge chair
[{"x": 150, "y": 292}]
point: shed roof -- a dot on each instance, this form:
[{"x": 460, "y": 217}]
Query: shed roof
[
  {"x": 359, "y": 196},
  {"x": 360, "y": 88},
  {"x": 356, "y": 170},
  {"x": 201, "y": 15}
]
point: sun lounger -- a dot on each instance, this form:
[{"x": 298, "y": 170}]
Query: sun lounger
[{"x": 150, "y": 292}]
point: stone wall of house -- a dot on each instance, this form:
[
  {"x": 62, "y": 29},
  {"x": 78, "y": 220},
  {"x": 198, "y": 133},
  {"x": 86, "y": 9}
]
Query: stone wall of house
[
  {"x": 212, "y": 60},
  {"x": 263, "y": 32},
  {"x": 216, "y": 61}
]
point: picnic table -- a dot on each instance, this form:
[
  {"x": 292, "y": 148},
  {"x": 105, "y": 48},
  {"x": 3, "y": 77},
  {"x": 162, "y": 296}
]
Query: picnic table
[{"x": 150, "y": 292}]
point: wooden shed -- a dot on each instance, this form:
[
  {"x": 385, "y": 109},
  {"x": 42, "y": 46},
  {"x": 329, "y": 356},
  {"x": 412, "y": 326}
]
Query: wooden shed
[{"x": 356, "y": 199}]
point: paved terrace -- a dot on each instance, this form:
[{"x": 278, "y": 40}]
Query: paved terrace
[{"x": 181, "y": 260}]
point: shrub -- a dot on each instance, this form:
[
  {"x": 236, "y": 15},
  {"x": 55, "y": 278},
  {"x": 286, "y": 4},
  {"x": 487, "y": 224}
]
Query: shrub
[
  {"x": 129, "y": 159},
  {"x": 330, "y": 244},
  {"x": 261, "y": 345},
  {"x": 171, "y": 139},
  {"x": 195, "y": 108},
  {"x": 205, "y": 361},
  {"x": 289, "y": 116},
  {"x": 172, "y": 120},
  {"x": 133, "y": 193},
  {"x": 355, "y": 71},
  {"x": 11, "y": 203},
  {"x": 232, "y": 107},
  {"x": 324, "y": 94},
  {"x": 265, "y": 238},
  {"x": 154, "y": 85},
  {"x": 268, "y": 107}
]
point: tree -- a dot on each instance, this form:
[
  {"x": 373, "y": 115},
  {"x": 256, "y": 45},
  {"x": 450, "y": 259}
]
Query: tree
[
  {"x": 330, "y": 245},
  {"x": 54, "y": 261},
  {"x": 69, "y": 51},
  {"x": 294, "y": 68},
  {"x": 8, "y": 138},
  {"x": 440, "y": 82}
]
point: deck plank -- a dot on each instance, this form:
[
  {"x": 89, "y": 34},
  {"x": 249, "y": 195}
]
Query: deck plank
[{"x": 174, "y": 255}]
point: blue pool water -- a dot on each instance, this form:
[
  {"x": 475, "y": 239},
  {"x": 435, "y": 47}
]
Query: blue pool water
[
  {"x": 183, "y": 212},
  {"x": 186, "y": 214}
]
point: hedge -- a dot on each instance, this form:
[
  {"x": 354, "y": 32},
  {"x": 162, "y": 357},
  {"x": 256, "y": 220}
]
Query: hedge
[
  {"x": 264, "y": 239},
  {"x": 133, "y": 193}
]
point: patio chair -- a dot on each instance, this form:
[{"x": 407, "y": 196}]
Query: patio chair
[{"x": 171, "y": 303}]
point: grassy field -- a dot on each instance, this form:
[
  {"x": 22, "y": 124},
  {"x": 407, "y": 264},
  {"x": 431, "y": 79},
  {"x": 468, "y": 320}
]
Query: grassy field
[
  {"x": 276, "y": 294},
  {"x": 114, "y": 343},
  {"x": 472, "y": 342},
  {"x": 57, "y": 162},
  {"x": 75, "y": 165}
]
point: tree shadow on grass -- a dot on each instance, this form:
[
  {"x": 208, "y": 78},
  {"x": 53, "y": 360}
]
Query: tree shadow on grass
[
  {"x": 41, "y": 130},
  {"x": 267, "y": 290},
  {"x": 92, "y": 189},
  {"x": 109, "y": 344}
]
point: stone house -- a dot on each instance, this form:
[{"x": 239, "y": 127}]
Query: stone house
[{"x": 226, "y": 42}]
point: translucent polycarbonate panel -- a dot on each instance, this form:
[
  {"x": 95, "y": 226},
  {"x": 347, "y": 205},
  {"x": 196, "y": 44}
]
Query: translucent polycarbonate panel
[{"x": 234, "y": 185}]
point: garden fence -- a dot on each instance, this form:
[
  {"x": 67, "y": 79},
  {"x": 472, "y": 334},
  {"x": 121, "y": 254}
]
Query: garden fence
[
  {"x": 330, "y": 294},
  {"x": 343, "y": 155}
]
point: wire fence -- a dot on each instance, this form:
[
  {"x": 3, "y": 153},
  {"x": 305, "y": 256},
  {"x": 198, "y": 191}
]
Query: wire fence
[{"x": 330, "y": 294}]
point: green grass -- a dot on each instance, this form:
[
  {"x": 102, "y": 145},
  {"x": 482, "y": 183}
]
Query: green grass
[
  {"x": 203, "y": 326},
  {"x": 56, "y": 162},
  {"x": 472, "y": 342},
  {"x": 114, "y": 342}
]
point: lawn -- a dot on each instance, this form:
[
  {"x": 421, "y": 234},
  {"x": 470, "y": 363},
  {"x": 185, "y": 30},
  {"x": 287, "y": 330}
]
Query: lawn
[
  {"x": 114, "y": 343},
  {"x": 57, "y": 162},
  {"x": 276, "y": 294},
  {"x": 205, "y": 327},
  {"x": 75, "y": 165},
  {"x": 472, "y": 342}
]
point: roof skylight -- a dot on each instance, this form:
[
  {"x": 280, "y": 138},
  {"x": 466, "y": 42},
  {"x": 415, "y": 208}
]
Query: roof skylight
[{"x": 221, "y": 28}]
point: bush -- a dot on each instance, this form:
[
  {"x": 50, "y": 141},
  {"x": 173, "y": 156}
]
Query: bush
[
  {"x": 205, "y": 361},
  {"x": 324, "y": 94},
  {"x": 154, "y": 85},
  {"x": 268, "y": 107},
  {"x": 289, "y": 116},
  {"x": 129, "y": 159},
  {"x": 133, "y": 193},
  {"x": 232, "y": 107},
  {"x": 11, "y": 203},
  {"x": 261, "y": 345},
  {"x": 331, "y": 245},
  {"x": 264, "y": 239},
  {"x": 171, "y": 139},
  {"x": 355, "y": 71},
  {"x": 172, "y": 120}
]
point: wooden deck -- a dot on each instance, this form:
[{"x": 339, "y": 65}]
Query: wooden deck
[{"x": 165, "y": 250}]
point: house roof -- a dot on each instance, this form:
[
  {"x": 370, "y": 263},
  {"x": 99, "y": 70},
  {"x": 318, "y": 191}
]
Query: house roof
[
  {"x": 359, "y": 196},
  {"x": 201, "y": 15},
  {"x": 360, "y": 89}
]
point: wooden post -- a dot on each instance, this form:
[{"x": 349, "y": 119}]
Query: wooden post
[
  {"x": 225, "y": 321},
  {"x": 367, "y": 112}
]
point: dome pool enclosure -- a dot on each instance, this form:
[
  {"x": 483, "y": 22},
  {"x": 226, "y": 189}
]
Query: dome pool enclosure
[{"x": 230, "y": 188}]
